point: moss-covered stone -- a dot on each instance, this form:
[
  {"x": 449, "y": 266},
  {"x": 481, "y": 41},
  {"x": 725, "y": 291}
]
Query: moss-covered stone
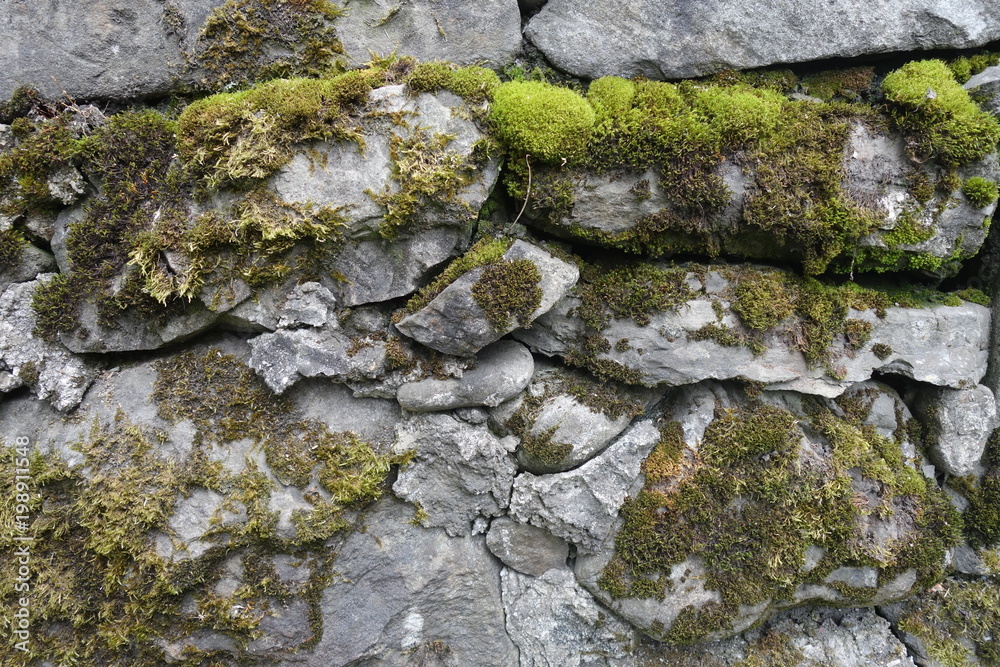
[
  {"x": 979, "y": 191},
  {"x": 508, "y": 289},
  {"x": 545, "y": 121}
]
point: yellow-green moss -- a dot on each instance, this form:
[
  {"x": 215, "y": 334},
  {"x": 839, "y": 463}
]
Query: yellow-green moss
[
  {"x": 474, "y": 84},
  {"x": 548, "y": 122},
  {"x": 979, "y": 191},
  {"x": 848, "y": 84},
  {"x": 939, "y": 116},
  {"x": 508, "y": 290},
  {"x": 483, "y": 252}
]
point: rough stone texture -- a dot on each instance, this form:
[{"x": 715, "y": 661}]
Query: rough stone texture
[
  {"x": 482, "y": 33},
  {"x": 308, "y": 304},
  {"x": 644, "y": 37},
  {"x": 460, "y": 474},
  {"x": 695, "y": 407},
  {"x": 502, "y": 370},
  {"x": 33, "y": 261},
  {"x": 878, "y": 175},
  {"x": 565, "y": 420},
  {"x": 582, "y": 505},
  {"x": 555, "y": 622},
  {"x": 403, "y": 591},
  {"x": 369, "y": 267},
  {"x": 959, "y": 422},
  {"x": 95, "y": 49},
  {"x": 193, "y": 518},
  {"x": 940, "y": 345},
  {"x": 526, "y": 548},
  {"x": 454, "y": 323},
  {"x": 51, "y": 372}
]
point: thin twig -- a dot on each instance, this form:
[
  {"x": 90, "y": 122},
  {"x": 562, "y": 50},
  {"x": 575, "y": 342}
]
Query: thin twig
[{"x": 527, "y": 194}]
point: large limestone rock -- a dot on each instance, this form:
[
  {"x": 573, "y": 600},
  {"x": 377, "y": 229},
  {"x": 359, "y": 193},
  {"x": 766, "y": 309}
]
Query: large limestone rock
[
  {"x": 528, "y": 549},
  {"x": 455, "y": 322},
  {"x": 460, "y": 475},
  {"x": 644, "y": 37},
  {"x": 93, "y": 49},
  {"x": 555, "y": 622},
  {"x": 838, "y": 465},
  {"x": 51, "y": 372},
  {"x": 878, "y": 175},
  {"x": 487, "y": 32},
  {"x": 406, "y": 593},
  {"x": 582, "y": 505},
  {"x": 959, "y": 422},
  {"x": 371, "y": 267},
  {"x": 502, "y": 370},
  {"x": 940, "y": 345}
]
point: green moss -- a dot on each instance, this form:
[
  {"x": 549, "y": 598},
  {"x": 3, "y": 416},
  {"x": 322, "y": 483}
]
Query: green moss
[
  {"x": 762, "y": 301},
  {"x": 240, "y": 41},
  {"x": 508, "y": 289},
  {"x": 541, "y": 447},
  {"x": 426, "y": 174},
  {"x": 882, "y": 351},
  {"x": 980, "y": 192},
  {"x": 749, "y": 509},
  {"x": 482, "y": 253},
  {"x": 958, "y": 609},
  {"x": 12, "y": 244},
  {"x": 474, "y": 84},
  {"x": 740, "y": 114},
  {"x": 938, "y": 114},
  {"x": 965, "y": 67},
  {"x": 631, "y": 291},
  {"x": 848, "y": 84},
  {"x": 973, "y": 295},
  {"x": 545, "y": 121},
  {"x": 610, "y": 97},
  {"x": 42, "y": 147},
  {"x": 246, "y": 136}
]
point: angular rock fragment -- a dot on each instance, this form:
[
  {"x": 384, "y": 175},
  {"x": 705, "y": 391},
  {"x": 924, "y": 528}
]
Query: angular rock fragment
[
  {"x": 460, "y": 474},
  {"x": 959, "y": 422},
  {"x": 51, "y": 372},
  {"x": 502, "y": 370},
  {"x": 526, "y": 548},
  {"x": 582, "y": 505},
  {"x": 491, "y": 301}
]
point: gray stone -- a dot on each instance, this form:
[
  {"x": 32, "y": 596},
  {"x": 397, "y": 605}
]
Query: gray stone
[
  {"x": 484, "y": 33},
  {"x": 959, "y": 422},
  {"x": 404, "y": 593},
  {"x": 51, "y": 372},
  {"x": 66, "y": 185},
  {"x": 454, "y": 323},
  {"x": 32, "y": 262},
  {"x": 502, "y": 370},
  {"x": 879, "y": 535},
  {"x": 92, "y": 49},
  {"x": 941, "y": 345},
  {"x": 555, "y": 622},
  {"x": 193, "y": 519},
  {"x": 582, "y": 505},
  {"x": 283, "y": 627},
  {"x": 459, "y": 471},
  {"x": 526, "y": 548},
  {"x": 643, "y": 37},
  {"x": 371, "y": 267},
  {"x": 308, "y": 304}
]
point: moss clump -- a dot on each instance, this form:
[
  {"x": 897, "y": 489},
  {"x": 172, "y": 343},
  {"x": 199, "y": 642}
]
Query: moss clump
[
  {"x": 740, "y": 114},
  {"x": 965, "y": 67},
  {"x": 631, "y": 291},
  {"x": 973, "y": 295},
  {"x": 882, "y": 351},
  {"x": 542, "y": 448},
  {"x": 474, "y": 84},
  {"x": 547, "y": 122},
  {"x": 427, "y": 174},
  {"x": 42, "y": 148},
  {"x": 12, "y": 245},
  {"x": 508, "y": 289},
  {"x": 848, "y": 84},
  {"x": 957, "y": 609},
  {"x": 980, "y": 192},
  {"x": 938, "y": 114},
  {"x": 748, "y": 507},
  {"x": 482, "y": 253},
  {"x": 762, "y": 301},
  {"x": 240, "y": 39},
  {"x": 246, "y": 136}
]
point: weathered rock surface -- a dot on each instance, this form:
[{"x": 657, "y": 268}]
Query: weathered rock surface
[
  {"x": 371, "y": 267},
  {"x": 486, "y": 32},
  {"x": 642, "y": 37},
  {"x": 525, "y": 548},
  {"x": 32, "y": 262},
  {"x": 818, "y": 447},
  {"x": 461, "y": 474},
  {"x": 455, "y": 323},
  {"x": 569, "y": 411},
  {"x": 404, "y": 593},
  {"x": 51, "y": 372},
  {"x": 502, "y": 370},
  {"x": 959, "y": 422},
  {"x": 941, "y": 345},
  {"x": 877, "y": 175},
  {"x": 582, "y": 505},
  {"x": 555, "y": 622}
]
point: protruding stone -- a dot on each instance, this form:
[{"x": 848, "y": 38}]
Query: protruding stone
[
  {"x": 526, "y": 548},
  {"x": 959, "y": 422}
]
